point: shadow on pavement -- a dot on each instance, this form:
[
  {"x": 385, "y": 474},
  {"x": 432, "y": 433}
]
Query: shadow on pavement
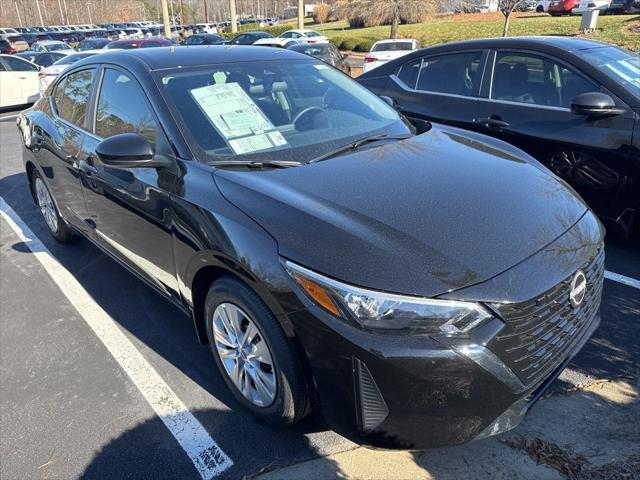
[{"x": 129, "y": 453}]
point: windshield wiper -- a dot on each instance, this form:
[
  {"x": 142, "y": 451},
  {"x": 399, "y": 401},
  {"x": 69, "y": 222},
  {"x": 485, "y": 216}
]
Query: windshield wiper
[
  {"x": 358, "y": 143},
  {"x": 256, "y": 163}
]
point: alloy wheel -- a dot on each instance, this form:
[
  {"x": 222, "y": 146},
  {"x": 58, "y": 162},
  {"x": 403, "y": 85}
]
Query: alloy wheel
[
  {"x": 245, "y": 355},
  {"x": 583, "y": 169},
  {"x": 47, "y": 207}
]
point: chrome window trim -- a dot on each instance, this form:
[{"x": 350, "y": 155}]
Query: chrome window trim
[
  {"x": 53, "y": 106},
  {"x": 402, "y": 85},
  {"x": 528, "y": 105}
]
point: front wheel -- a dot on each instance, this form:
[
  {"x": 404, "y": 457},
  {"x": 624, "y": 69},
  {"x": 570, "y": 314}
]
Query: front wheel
[
  {"x": 253, "y": 354},
  {"x": 56, "y": 225}
]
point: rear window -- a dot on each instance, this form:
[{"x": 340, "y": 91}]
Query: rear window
[
  {"x": 386, "y": 47},
  {"x": 312, "y": 34},
  {"x": 69, "y": 59}
]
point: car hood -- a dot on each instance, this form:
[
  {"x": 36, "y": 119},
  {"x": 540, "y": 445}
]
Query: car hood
[{"x": 423, "y": 216}]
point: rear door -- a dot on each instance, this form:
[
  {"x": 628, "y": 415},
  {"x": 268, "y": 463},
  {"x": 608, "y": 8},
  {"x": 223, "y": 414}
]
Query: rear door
[
  {"x": 26, "y": 76},
  {"x": 10, "y": 93},
  {"x": 62, "y": 140},
  {"x": 528, "y": 104},
  {"x": 441, "y": 88}
]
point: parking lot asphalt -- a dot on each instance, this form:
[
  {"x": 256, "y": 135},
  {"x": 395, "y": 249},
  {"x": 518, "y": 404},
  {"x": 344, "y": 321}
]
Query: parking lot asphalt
[{"x": 70, "y": 407}]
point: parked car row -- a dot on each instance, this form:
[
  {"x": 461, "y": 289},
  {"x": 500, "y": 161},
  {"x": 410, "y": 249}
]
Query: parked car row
[{"x": 578, "y": 7}]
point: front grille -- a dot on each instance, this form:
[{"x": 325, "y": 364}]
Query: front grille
[{"x": 540, "y": 333}]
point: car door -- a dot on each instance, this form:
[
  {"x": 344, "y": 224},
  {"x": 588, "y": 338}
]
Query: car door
[
  {"x": 442, "y": 88},
  {"x": 26, "y": 76},
  {"x": 130, "y": 207},
  {"x": 10, "y": 93},
  {"x": 59, "y": 141},
  {"x": 528, "y": 104}
]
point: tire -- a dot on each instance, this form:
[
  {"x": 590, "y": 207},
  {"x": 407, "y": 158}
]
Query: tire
[
  {"x": 290, "y": 402},
  {"x": 540, "y": 9},
  {"x": 56, "y": 225}
]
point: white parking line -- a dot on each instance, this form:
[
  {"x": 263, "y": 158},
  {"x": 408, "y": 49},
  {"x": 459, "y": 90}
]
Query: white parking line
[
  {"x": 203, "y": 451},
  {"x": 616, "y": 277}
]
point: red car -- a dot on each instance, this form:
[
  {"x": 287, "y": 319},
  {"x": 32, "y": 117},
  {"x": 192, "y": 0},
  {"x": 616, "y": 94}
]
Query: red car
[
  {"x": 141, "y": 43},
  {"x": 5, "y": 47},
  {"x": 562, "y": 7}
]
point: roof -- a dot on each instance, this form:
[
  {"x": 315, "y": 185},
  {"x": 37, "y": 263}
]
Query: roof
[
  {"x": 397, "y": 40},
  {"x": 190, "y": 56},
  {"x": 569, "y": 44}
]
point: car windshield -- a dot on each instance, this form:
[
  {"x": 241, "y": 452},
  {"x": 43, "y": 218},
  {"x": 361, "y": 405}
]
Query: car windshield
[
  {"x": 287, "y": 110},
  {"x": 69, "y": 59},
  {"x": 385, "y": 47},
  {"x": 620, "y": 65}
]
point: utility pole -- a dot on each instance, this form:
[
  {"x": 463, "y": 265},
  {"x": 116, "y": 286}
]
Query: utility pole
[
  {"x": 15, "y": 2},
  {"x": 234, "y": 17},
  {"x": 39, "y": 12},
  {"x": 300, "y": 13},
  {"x": 165, "y": 19},
  {"x": 206, "y": 12},
  {"x": 60, "y": 9}
]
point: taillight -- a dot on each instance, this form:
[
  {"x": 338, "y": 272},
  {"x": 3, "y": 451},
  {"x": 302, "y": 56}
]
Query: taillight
[{"x": 370, "y": 59}]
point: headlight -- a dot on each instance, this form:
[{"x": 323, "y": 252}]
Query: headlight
[{"x": 378, "y": 310}]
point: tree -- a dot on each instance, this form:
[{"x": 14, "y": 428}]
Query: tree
[
  {"x": 388, "y": 12},
  {"x": 507, "y": 7}
]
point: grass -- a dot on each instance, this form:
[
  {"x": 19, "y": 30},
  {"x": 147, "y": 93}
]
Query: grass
[{"x": 615, "y": 29}]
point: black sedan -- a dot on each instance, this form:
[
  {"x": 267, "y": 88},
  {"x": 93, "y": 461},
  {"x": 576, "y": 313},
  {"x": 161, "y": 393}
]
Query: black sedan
[
  {"x": 570, "y": 103},
  {"x": 411, "y": 290},
  {"x": 249, "y": 38},
  {"x": 205, "y": 39}
]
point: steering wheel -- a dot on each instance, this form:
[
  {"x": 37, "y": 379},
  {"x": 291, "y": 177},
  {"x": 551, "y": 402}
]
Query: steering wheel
[{"x": 304, "y": 113}]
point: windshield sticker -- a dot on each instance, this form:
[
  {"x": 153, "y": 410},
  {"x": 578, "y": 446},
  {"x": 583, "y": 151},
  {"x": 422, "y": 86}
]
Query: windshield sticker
[{"x": 238, "y": 119}]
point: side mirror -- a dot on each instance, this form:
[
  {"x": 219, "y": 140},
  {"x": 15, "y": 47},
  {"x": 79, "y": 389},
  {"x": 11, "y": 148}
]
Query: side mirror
[
  {"x": 129, "y": 150},
  {"x": 389, "y": 101},
  {"x": 595, "y": 104}
]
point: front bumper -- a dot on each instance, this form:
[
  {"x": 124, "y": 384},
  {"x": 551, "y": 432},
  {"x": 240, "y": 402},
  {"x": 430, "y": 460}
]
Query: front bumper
[{"x": 417, "y": 391}]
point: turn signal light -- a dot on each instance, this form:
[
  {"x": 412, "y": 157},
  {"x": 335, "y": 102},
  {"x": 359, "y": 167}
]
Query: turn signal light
[{"x": 319, "y": 294}]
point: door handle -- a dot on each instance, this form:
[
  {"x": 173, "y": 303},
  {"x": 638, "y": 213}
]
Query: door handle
[
  {"x": 491, "y": 122},
  {"x": 86, "y": 167}
]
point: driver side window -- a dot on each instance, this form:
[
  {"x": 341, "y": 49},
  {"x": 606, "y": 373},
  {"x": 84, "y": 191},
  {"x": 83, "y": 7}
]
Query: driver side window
[
  {"x": 534, "y": 79},
  {"x": 122, "y": 108}
]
